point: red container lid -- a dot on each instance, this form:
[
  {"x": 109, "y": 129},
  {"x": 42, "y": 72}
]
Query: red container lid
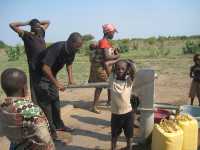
[{"x": 160, "y": 114}]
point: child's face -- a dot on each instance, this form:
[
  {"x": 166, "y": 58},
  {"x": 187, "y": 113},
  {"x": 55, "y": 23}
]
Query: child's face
[{"x": 121, "y": 68}]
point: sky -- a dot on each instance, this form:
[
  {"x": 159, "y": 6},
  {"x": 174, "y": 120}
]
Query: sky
[{"x": 133, "y": 18}]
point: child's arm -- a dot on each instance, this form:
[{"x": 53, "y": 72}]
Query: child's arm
[
  {"x": 107, "y": 55},
  {"x": 131, "y": 69},
  {"x": 108, "y": 65},
  {"x": 111, "y": 62}
]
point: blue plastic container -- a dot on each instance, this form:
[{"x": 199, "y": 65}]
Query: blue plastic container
[{"x": 193, "y": 111}]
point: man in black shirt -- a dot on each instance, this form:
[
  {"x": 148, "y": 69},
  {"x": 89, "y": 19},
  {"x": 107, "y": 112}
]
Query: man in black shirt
[
  {"x": 50, "y": 62},
  {"x": 34, "y": 43}
]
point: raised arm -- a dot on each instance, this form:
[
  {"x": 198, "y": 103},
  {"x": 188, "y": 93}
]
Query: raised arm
[
  {"x": 131, "y": 69},
  {"x": 44, "y": 24},
  {"x": 15, "y": 26}
]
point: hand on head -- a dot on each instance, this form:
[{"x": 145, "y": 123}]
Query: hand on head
[
  {"x": 36, "y": 26},
  {"x": 123, "y": 68}
]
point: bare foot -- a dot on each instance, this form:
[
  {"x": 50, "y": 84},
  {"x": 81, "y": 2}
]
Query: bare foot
[{"x": 95, "y": 110}]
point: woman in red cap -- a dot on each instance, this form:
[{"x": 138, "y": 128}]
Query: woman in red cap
[{"x": 105, "y": 56}]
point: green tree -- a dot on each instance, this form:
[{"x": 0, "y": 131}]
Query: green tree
[
  {"x": 191, "y": 47},
  {"x": 88, "y": 37},
  {"x": 14, "y": 53}
]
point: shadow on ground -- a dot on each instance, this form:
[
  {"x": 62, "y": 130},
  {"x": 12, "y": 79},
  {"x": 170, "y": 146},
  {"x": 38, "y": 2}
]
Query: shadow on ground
[
  {"x": 62, "y": 146},
  {"x": 83, "y": 104},
  {"x": 91, "y": 120},
  {"x": 96, "y": 135}
]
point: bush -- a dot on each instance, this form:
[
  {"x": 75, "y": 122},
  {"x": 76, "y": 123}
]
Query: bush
[
  {"x": 135, "y": 45},
  {"x": 14, "y": 53},
  {"x": 123, "y": 45},
  {"x": 159, "y": 52},
  {"x": 88, "y": 37},
  {"x": 85, "y": 48},
  {"x": 123, "y": 48},
  {"x": 151, "y": 40},
  {"x": 2, "y": 44},
  {"x": 191, "y": 47}
]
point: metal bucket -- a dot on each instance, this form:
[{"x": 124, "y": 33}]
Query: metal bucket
[{"x": 192, "y": 110}]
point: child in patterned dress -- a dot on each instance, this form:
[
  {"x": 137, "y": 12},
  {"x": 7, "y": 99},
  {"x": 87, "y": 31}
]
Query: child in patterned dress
[{"x": 22, "y": 122}]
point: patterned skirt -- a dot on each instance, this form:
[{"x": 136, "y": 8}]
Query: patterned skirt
[{"x": 97, "y": 73}]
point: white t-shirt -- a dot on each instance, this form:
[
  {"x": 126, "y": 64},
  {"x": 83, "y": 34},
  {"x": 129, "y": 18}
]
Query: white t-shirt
[{"x": 120, "y": 95}]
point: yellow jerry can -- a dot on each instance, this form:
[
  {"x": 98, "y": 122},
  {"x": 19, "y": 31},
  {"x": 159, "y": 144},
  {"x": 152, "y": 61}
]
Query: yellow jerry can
[
  {"x": 167, "y": 136},
  {"x": 189, "y": 125}
]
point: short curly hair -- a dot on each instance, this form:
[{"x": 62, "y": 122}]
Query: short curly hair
[{"x": 13, "y": 80}]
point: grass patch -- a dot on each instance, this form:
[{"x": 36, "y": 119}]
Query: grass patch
[{"x": 175, "y": 63}]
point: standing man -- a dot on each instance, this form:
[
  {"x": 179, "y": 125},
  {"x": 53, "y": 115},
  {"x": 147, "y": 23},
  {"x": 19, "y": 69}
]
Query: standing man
[
  {"x": 34, "y": 43},
  {"x": 100, "y": 72},
  {"x": 50, "y": 62}
]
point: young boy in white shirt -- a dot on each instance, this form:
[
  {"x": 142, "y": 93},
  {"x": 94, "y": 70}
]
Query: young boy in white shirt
[{"x": 121, "y": 83}]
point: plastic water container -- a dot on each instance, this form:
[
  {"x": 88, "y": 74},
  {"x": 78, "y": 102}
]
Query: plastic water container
[{"x": 193, "y": 111}]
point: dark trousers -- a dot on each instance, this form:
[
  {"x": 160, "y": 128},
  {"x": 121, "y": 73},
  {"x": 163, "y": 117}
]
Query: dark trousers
[
  {"x": 32, "y": 78},
  {"x": 32, "y": 90},
  {"x": 48, "y": 99}
]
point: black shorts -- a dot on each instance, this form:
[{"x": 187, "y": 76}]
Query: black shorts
[{"x": 119, "y": 122}]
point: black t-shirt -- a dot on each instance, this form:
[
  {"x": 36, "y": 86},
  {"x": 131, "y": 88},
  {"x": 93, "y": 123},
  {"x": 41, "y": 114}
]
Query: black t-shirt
[
  {"x": 33, "y": 44},
  {"x": 56, "y": 56}
]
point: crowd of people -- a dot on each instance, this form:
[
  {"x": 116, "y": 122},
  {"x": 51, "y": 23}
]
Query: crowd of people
[{"x": 33, "y": 124}]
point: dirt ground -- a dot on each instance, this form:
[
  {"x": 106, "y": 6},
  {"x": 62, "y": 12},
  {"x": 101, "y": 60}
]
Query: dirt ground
[{"x": 92, "y": 131}]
